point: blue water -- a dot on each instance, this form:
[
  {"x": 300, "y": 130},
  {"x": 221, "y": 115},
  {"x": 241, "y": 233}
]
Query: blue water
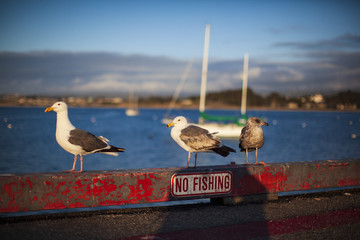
[{"x": 28, "y": 145}]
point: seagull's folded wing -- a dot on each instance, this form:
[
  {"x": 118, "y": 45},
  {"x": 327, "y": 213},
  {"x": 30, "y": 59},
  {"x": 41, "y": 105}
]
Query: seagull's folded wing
[{"x": 198, "y": 138}]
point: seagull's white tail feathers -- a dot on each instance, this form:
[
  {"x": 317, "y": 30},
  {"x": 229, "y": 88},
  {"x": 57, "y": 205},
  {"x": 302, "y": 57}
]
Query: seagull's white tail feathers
[
  {"x": 115, "y": 154},
  {"x": 104, "y": 139}
]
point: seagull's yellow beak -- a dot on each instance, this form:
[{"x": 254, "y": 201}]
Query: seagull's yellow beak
[
  {"x": 264, "y": 123},
  {"x": 170, "y": 124},
  {"x": 49, "y": 109}
]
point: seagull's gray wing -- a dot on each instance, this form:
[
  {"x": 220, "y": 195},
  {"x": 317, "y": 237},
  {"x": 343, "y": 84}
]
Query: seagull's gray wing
[
  {"x": 244, "y": 139},
  {"x": 86, "y": 140},
  {"x": 242, "y": 134},
  {"x": 198, "y": 138}
]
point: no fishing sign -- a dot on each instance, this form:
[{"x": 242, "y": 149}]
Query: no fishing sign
[{"x": 195, "y": 184}]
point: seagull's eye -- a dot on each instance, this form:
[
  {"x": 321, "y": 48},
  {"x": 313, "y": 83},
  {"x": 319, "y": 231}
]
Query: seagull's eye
[
  {"x": 178, "y": 120},
  {"x": 58, "y": 104}
]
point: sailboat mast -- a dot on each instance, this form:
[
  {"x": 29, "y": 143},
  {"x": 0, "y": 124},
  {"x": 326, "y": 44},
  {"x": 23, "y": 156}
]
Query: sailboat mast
[
  {"x": 245, "y": 81},
  {"x": 179, "y": 87},
  {"x": 131, "y": 96},
  {"x": 204, "y": 71}
]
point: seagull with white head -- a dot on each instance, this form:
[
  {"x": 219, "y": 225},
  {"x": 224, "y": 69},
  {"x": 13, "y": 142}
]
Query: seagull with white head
[
  {"x": 193, "y": 138},
  {"x": 77, "y": 141}
]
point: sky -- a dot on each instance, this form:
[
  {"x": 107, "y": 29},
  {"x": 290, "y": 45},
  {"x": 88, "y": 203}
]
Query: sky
[{"x": 294, "y": 46}]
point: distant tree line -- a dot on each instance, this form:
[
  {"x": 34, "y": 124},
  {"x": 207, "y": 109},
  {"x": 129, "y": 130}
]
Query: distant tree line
[
  {"x": 275, "y": 100},
  {"x": 345, "y": 100}
]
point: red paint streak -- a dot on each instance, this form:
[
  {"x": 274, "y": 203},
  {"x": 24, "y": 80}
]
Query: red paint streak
[
  {"x": 269, "y": 180},
  {"x": 59, "y": 185},
  {"x": 49, "y": 191},
  {"x": 8, "y": 190},
  {"x": 83, "y": 189},
  {"x": 333, "y": 165},
  {"x": 151, "y": 175},
  {"x": 112, "y": 202},
  {"x": 58, "y": 204},
  {"x": 265, "y": 228},
  {"x": 10, "y": 209},
  {"x": 142, "y": 190},
  {"x": 273, "y": 182},
  {"x": 305, "y": 186},
  {"x": 306, "y": 183},
  {"x": 66, "y": 191},
  {"x": 48, "y": 183},
  {"x": 30, "y": 184},
  {"x": 12, "y": 205},
  {"x": 77, "y": 205},
  {"x": 106, "y": 187},
  {"x": 348, "y": 182}
]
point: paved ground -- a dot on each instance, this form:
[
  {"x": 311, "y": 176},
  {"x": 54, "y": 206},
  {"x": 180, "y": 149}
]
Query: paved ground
[{"x": 334, "y": 215}]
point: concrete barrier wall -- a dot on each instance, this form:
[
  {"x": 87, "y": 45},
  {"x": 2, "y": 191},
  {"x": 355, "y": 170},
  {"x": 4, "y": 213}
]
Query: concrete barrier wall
[{"x": 41, "y": 191}]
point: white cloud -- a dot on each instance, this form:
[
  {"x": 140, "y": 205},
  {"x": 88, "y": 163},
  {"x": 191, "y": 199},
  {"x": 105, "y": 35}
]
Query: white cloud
[
  {"x": 355, "y": 72},
  {"x": 121, "y": 83},
  {"x": 78, "y": 80},
  {"x": 322, "y": 66},
  {"x": 287, "y": 74},
  {"x": 254, "y": 72},
  {"x": 106, "y": 73},
  {"x": 109, "y": 77},
  {"x": 107, "y": 85},
  {"x": 154, "y": 86},
  {"x": 37, "y": 81}
]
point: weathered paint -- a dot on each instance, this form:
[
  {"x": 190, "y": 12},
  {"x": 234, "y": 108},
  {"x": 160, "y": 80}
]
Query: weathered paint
[{"x": 28, "y": 192}]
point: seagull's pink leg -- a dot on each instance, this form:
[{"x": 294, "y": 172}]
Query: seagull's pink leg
[
  {"x": 256, "y": 156},
  {"x": 81, "y": 165},
  {"x": 73, "y": 168},
  {"x": 247, "y": 154},
  {"x": 187, "y": 165}
]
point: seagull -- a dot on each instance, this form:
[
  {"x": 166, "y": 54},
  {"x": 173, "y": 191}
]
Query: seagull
[
  {"x": 77, "y": 141},
  {"x": 252, "y": 136},
  {"x": 195, "y": 139}
]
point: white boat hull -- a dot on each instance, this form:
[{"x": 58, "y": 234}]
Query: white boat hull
[
  {"x": 223, "y": 130},
  {"x": 131, "y": 112}
]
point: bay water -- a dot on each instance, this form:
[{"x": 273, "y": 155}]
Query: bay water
[{"x": 28, "y": 144}]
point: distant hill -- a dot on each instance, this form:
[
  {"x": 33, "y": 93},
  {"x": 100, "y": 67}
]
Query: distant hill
[
  {"x": 348, "y": 99},
  {"x": 345, "y": 100},
  {"x": 233, "y": 97}
]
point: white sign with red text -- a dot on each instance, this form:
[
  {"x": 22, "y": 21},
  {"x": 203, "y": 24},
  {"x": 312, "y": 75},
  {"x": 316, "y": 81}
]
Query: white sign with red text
[{"x": 193, "y": 184}]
